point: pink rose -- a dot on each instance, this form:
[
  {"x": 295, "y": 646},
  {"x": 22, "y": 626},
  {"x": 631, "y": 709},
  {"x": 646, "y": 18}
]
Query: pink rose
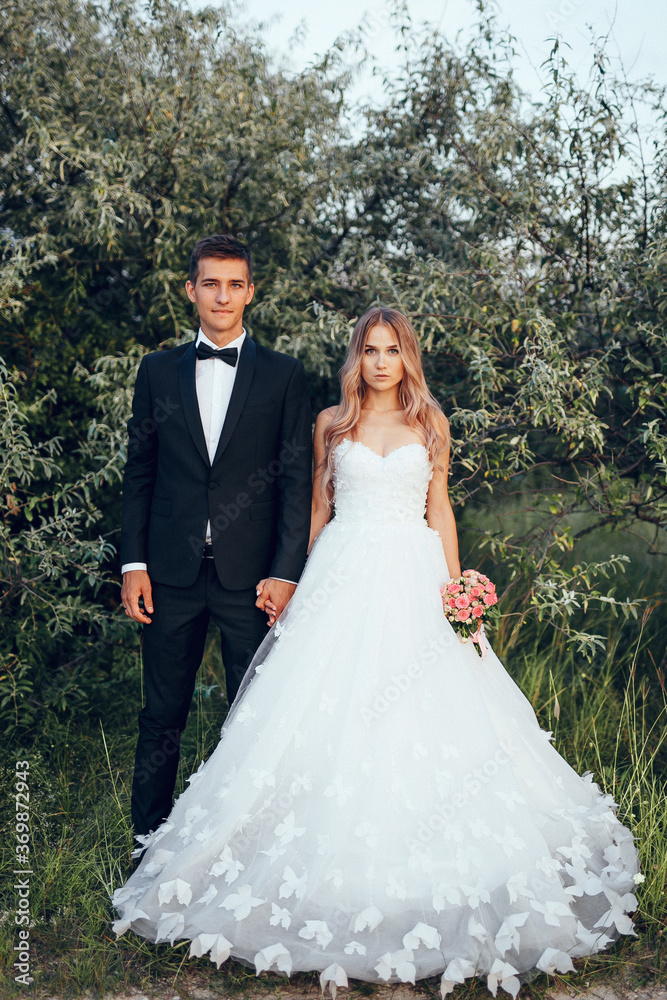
[
  {"x": 454, "y": 588},
  {"x": 474, "y": 591},
  {"x": 463, "y": 616},
  {"x": 477, "y": 612},
  {"x": 490, "y": 588},
  {"x": 490, "y": 599},
  {"x": 469, "y": 572},
  {"x": 452, "y": 602},
  {"x": 462, "y": 601}
]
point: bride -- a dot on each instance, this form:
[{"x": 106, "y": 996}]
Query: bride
[{"x": 382, "y": 804}]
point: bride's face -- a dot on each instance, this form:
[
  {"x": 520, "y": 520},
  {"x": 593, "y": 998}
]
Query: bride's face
[{"x": 382, "y": 366}]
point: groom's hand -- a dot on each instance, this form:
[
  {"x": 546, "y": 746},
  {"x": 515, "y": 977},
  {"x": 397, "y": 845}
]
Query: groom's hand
[
  {"x": 273, "y": 596},
  {"x": 136, "y": 584}
]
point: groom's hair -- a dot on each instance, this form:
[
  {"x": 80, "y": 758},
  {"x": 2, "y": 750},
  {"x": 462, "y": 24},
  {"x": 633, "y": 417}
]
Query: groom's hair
[{"x": 223, "y": 246}]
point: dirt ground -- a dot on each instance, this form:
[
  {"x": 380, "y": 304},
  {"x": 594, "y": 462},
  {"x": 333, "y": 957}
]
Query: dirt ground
[{"x": 599, "y": 992}]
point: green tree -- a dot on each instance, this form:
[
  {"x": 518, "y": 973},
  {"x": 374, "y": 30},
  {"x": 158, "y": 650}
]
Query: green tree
[{"x": 525, "y": 240}]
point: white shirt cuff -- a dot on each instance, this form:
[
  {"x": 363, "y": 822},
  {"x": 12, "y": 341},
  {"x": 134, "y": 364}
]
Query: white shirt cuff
[{"x": 128, "y": 567}]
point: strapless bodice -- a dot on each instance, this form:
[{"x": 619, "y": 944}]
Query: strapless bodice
[{"x": 371, "y": 488}]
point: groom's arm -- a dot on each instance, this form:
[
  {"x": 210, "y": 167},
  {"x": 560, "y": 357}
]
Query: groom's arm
[
  {"x": 139, "y": 473},
  {"x": 294, "y": 481}
]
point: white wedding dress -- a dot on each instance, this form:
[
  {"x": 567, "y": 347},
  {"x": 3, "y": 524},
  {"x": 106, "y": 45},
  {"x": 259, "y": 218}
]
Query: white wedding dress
[{"x": 383, "y": 804}]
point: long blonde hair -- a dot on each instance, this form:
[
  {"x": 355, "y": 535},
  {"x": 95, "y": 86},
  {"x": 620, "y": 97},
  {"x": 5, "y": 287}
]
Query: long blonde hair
[{"x": 422, "y": 410}]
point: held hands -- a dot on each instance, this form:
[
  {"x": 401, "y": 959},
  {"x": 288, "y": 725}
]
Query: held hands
[
  {"x": 273, "y": 596},
  {"x": 137, "y": 584}
]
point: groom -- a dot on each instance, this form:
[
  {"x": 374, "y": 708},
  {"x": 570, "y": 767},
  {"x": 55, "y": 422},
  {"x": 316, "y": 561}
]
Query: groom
[{"x": 216, "y": 507}]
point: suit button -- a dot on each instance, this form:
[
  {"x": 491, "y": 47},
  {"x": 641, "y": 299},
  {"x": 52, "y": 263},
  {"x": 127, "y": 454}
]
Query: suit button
[{"x": 213, "y": 485}]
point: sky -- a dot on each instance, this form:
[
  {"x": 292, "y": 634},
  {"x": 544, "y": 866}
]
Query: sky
[{"x": 636, "y": 32}]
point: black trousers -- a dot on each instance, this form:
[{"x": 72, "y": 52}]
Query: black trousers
[{"x": 173, "y": 646}]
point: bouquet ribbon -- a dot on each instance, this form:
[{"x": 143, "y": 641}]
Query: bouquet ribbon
[{"x": 478, "y": 637}]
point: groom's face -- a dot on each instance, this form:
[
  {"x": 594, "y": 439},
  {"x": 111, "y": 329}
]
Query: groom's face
[{"x": 221, "y": 293}]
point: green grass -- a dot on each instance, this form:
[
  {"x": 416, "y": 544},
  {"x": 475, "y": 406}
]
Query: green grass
[{"x": 609, "y": 717}]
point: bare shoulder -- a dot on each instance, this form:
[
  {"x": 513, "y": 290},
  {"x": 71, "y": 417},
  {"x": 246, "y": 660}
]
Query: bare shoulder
[
  {"x": 324, "y": 418},
  {"x": 441, "y": 427}
]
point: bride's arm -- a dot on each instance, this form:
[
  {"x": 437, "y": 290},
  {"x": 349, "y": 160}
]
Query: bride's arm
[
  {"x": 439, "y": 513},
  {"x": 320, "y": 511}
]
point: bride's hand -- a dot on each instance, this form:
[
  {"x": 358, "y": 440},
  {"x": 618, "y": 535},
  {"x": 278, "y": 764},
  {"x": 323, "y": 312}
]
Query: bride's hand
[{"x": 273, "y": 596}]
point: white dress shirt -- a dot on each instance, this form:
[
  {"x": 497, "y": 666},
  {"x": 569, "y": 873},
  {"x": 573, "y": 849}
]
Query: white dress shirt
[{"x": 214, "y": 382}]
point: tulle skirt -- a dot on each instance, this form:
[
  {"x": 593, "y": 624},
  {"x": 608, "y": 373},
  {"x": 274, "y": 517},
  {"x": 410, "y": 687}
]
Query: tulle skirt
[{"x": 383, "y": 804}]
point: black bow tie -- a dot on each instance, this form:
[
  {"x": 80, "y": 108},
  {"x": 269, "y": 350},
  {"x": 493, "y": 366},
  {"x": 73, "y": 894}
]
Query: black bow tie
[{"x": 227, "y": 354}]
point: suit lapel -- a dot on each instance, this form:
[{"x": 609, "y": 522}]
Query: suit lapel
[
  {"x": 246, "y": 370},
  {"x": 187, "y": 385}
]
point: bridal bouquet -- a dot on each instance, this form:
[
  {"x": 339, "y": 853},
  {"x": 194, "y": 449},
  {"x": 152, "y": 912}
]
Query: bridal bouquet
[{"x": 469, "y": 603}]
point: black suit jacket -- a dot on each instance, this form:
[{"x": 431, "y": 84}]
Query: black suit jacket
[{"x": 257, "y": 491}]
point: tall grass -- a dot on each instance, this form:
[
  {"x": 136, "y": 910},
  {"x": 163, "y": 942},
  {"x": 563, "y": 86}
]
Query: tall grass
[{"x": 607, "y": 717}]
